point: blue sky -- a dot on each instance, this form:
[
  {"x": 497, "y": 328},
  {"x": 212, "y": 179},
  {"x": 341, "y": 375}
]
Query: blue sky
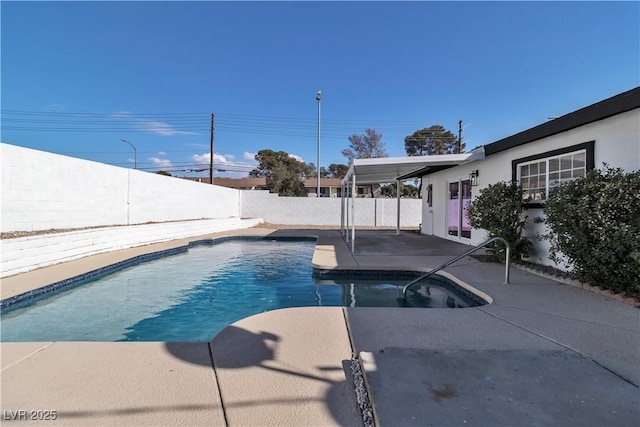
[{"x": 77, "y": 77}]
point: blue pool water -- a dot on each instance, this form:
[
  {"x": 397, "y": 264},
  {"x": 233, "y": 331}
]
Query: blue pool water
[{"x": 194, "y": 295}]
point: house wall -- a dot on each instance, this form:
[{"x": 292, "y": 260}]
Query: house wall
[
  {"x": 41, "y": 190},
  {"x": 617, "y": 143},
  {"x": 326, "y": 210}
]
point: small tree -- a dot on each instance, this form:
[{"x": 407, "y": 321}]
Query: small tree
[
  {"x": 283, "y": 173},
  {"x": 338, "y": 170},
  {"x": 594, "y": 224},
  {"x": 499, "y": 210},
  {"x": 432, "y": 140},
  {"x": 365, "y": 146}
]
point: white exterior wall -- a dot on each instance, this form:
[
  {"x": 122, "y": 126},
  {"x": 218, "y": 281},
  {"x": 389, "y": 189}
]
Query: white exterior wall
[
  {"x": 326, "y": 210},
  {"x": 617, "y": 143},
  {"x": 41, "y": 190}
]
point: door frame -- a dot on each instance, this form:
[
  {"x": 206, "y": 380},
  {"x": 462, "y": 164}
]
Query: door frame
[{"x": 463, "y": 184}]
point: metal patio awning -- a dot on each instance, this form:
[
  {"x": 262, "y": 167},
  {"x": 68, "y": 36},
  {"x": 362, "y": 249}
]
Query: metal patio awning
[{"x": 390, "y": 169}]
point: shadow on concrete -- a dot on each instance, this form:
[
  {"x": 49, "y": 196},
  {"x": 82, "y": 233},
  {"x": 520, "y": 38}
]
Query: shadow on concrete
[
  {"x": 237, "y": 348},
  {"x": 135, "y": 410}
]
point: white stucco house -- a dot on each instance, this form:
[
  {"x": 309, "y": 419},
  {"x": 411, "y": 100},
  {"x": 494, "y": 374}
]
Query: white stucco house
[{"x": 538, "y": 159}]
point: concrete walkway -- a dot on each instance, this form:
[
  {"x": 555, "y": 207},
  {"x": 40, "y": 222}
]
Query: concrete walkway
[{"x": 541, "y": 353}]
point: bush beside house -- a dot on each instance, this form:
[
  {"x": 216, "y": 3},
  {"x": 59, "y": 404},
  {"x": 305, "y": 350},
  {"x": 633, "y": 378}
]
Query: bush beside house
[
  {"x": 594, "y": 228},
  {"x": 499, "y": 210}
]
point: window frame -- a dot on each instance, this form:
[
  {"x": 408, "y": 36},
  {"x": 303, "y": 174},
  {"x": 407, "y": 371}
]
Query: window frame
[{"x": 587, "y": 147}]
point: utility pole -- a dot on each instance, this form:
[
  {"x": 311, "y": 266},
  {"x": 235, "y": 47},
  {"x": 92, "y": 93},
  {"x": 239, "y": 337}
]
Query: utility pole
[
  {"x": 211, "y": 151},
  {"x": 459, "y": 137}
]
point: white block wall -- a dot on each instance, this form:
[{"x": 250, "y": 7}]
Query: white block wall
[
  {"x": 28, "y": 253},
  {"x": 41, "y": 190},
  {"x": 326, "y": 210}
]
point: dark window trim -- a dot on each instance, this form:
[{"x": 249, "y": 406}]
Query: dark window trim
[{"x": 588, "y": 146}]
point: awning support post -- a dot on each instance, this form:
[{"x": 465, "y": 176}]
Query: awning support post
[
  {"x": 342, "y": 209},
  {"x": 353, "y": 216},
  {"x": 346, "y": 203},
  {"x": 398, "y": 191}
]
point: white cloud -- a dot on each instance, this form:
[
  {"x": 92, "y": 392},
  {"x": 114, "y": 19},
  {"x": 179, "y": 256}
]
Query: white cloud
[
  {"x": 161, "y": 153},
  {"x": 160, "y": 128},
  {"x": 205, "y": 158},
  {"x": 151, "y": 126},
  {"x": 249, "y": 156},
  {"x": 202, "y": 159},
  {"x": 225, "y": 166},
  {"x": 298, "y": 158},
  {"x": 219, "y": 158},
  {"x": 161, "y": 163}
]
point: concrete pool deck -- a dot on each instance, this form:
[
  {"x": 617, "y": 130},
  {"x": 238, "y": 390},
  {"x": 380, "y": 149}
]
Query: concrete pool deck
[{"x": 540, "y": 352}]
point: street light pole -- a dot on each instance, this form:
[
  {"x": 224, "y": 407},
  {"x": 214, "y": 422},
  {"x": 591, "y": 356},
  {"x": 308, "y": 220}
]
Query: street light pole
[
  {"x": 135, "y": 153},
  {"x": 318, "y": 98}
]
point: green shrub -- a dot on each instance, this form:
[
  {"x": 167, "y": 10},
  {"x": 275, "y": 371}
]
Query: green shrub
[
  {"x": 499, "y": 210},
  {"x": 594, "y": 222}
]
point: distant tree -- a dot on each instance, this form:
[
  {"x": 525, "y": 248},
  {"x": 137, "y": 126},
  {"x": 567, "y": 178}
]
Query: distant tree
[
  {"x": 283, "y": 173},
  {"x": 432, "y": 140},
  {"x": 165, "y": 173},
  {"x": 387, "y": 190},
  {"x": 310, "y": 171},
  {"x": 408, "y": 190},
  {"x": 338, "y": 170},
  {"x": 365, "y": 146}
]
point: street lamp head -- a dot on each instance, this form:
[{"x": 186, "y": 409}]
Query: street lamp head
[
  {"x": 319, "y": 95},
  {"x": 135, "y": 152}
]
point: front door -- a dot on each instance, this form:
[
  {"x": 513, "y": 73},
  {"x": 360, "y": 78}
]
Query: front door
[{"x": 459, "y": 199}]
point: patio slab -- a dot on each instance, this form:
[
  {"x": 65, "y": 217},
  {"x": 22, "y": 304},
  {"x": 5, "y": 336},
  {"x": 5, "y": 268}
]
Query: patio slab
[
  {"x": 287, "y": 367},
  {"x": 496, "y": 388},
  {"x": 110, "y": 384}
]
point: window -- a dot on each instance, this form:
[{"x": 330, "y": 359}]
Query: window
[
  {"x": 541, "y": 176},
  {"x": 538, "y": 175},
  {"x": 430, "y": 195}
]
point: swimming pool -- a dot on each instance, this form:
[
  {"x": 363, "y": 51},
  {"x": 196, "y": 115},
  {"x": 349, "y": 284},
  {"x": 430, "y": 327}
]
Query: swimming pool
[{"x": 191, "y": 296}]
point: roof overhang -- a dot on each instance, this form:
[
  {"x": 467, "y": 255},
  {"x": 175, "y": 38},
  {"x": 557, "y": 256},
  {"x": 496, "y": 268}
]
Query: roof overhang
[{"x": 389, "y": 169}]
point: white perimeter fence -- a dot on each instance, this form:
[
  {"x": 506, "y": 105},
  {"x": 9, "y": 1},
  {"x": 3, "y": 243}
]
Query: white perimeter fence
[{"x": 41, "y": 191}]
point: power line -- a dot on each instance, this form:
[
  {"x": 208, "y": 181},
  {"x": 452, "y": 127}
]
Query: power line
[{"x": 200, "y": 120}]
